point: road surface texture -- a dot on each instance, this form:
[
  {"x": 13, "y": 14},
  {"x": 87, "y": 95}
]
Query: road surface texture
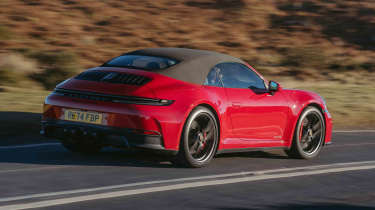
[{"x": 46, "y": 176}]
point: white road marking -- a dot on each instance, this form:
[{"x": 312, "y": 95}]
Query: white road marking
[
  {"x": 33, "y": 169},
  {"x": 152, "y": 189},
  {"x": 113, "y": 187},
  {"x": 61, "y": 201},
  {"x": 29, "y": 145},
  {"x": 350, "y": 145},
  {"x": 245, "y": 173},
  {"x": 353, "y": 131}
]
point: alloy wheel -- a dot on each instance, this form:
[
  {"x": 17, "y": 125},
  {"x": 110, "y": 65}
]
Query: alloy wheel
[
  {"x": 202, "y": 137},
  {"x": 311, "y": 133}
]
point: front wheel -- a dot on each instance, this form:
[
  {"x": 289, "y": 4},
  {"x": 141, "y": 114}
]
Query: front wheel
[
  {"x": 309, "y": 135},
  {"x": 199, "y": 139}
]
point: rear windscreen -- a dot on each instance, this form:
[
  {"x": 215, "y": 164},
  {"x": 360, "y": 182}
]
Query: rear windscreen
[{"x": 141, "y": 62}]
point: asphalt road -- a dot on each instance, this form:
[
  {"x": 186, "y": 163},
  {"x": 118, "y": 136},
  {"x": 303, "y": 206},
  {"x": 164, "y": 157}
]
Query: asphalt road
[{"x": 47, "y": 176}]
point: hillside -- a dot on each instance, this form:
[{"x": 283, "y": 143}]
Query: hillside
[
  {"x": 262, "y": 32},
  {"x": 323, "y": 45}
]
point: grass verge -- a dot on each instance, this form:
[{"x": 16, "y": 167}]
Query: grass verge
[
  {"x": 351, "y": 105},
  {"x": 20, "y": 110}
]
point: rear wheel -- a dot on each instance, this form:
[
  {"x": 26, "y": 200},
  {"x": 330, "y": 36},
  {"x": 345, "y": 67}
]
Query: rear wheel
[
  {"x": 199, "y": 139},
  {"x": 309, "y": 135}
]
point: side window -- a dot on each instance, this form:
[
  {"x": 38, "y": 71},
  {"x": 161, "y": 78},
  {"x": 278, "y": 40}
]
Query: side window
[
  {"x": 213, "y": 77},
  {"x": 236, "y": 75}
]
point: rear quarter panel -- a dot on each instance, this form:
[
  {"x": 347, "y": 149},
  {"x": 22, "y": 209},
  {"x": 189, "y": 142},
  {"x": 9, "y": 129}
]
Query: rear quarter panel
[{"x": 187, "y": 97}]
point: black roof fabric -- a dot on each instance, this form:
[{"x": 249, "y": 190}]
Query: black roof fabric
[{"x": 193, "y": 66}]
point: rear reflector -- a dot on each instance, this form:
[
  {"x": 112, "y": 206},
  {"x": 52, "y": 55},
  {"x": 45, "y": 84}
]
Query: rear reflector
[{"x": 145, "y": 132}]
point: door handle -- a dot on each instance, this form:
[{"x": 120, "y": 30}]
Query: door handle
[{"x": 236, "y": 104}]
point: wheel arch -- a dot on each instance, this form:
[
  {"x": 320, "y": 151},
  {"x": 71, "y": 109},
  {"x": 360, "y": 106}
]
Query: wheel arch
[
  {"x": 319, "y": 107},
  {"x": 313, "y": 104},
  {"x": 209, "y": 107}
]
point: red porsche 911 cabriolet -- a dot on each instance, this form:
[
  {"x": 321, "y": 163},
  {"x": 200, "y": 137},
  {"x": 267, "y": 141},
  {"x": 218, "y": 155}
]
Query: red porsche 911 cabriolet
[{"x": 189, "y": 103}]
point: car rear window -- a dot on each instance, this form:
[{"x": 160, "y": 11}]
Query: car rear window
[{"x": 141, "y": 62}]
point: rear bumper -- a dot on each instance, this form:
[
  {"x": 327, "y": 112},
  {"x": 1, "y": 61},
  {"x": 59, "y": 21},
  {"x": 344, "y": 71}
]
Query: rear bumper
[
  {"x": 164, "y": 120},
  {"x": 105, "y": 135}
]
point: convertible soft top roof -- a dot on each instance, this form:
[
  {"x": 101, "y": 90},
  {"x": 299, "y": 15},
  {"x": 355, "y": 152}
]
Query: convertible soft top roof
[{"x": 194, "y": 65}]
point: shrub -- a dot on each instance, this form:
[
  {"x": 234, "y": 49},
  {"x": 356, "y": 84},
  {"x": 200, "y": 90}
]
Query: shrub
[
  {"x": 57, "y": 66},
  {"x": 7, "y": 76},
  {"x": 5, "y": 34},
  {"x": 15, "y": 68},
  {"x": 304, "y": 57}
]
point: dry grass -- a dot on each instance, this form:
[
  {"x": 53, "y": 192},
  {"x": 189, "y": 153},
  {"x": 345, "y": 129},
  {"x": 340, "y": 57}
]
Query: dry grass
[
  {"x": 254, "y": 30},
  {"x": 352, "y": 105},
  {"x": 21, "y": 99},
  {"x": 15, "y": 69},
  {"x": 5, "y": 34},
  {"x": 20, "y": 110},
  {"x": 350, "y": 96}
]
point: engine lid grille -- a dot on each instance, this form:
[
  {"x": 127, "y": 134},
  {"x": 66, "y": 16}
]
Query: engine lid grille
[{"x": 113, "y": 77}]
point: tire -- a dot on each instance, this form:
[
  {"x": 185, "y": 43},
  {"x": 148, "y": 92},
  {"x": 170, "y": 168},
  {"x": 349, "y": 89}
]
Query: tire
[
  {"x": 83, "y": 147},
  {"x": 309, "y": 135},
  {"x": 199, "y": 139}
]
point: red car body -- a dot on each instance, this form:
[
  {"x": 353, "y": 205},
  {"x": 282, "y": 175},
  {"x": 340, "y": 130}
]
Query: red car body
[{"x": 273, "y": 115}]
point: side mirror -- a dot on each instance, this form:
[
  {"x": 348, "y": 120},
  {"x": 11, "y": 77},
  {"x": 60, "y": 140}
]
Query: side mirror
[{"x": 273, "y": 86}]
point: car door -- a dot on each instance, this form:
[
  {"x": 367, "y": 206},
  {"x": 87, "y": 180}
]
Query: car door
[{"x": 256, "y": 114}]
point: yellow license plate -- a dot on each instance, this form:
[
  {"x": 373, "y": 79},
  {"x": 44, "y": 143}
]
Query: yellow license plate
[{"x": 82, "y": 116}]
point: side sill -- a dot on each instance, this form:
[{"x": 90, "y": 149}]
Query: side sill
[
  {"x": 328, "y": 143},
  {"x": 251, "y": 149}
]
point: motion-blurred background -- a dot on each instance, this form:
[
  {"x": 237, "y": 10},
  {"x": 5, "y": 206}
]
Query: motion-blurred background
[{"x": 327, "y": 46}]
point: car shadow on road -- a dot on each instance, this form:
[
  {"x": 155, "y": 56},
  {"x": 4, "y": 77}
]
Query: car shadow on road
[
  {"x": 19, "y": 128},
  {"x": 276, "y": 154},
  {"x": 57, "y": 155}
]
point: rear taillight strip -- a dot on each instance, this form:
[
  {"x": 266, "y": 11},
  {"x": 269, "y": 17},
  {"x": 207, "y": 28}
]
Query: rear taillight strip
[{"x": 111, "y": 98}]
